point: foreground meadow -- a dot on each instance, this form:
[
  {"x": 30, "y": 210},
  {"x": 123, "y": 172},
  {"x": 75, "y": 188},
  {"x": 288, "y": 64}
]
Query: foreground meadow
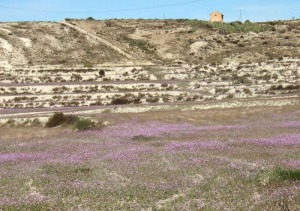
[{"x": 247, "y": 159}]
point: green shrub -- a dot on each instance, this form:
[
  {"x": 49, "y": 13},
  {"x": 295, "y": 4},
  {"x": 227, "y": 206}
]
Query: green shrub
[
  {"x": 137, "y": 100},
  {"x": 233, "y": 27},
  {"x": 280, "y": 174},
  {"x": 141, "y": 44},
  {"x": 152, "y": 100},
  {"x": 76, "y": 77},
  {"x": 59, "y": 118},
  {"x": 127, "y": 99},
  {"x": 120, "y": 101},
  {"x": 288, "y": 87},
  {"x": 56, "y": 120},
  {"x": 102, "y": 73},
  {"x": 83, "y": 124},
  {"x": 247, "y": 22}
]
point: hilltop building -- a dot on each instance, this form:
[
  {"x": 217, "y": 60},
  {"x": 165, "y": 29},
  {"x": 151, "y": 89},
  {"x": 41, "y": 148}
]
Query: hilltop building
[{"x": 216, "y": 17}]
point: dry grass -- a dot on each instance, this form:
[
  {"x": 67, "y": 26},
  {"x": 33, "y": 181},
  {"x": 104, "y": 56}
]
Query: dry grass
[
  {"x": 221, "y": 159},
  {"x": 28, "y": 133},
  {"x": 200, "y": 117}
]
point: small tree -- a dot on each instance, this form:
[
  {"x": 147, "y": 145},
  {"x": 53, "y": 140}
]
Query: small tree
[
  {"x": 247, "y": 22},
  {"x": 90, "y": 19}
]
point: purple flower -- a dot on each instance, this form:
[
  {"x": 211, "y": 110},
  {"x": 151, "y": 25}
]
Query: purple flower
[
  {"x": 295, "y": 164},
  {"x": 128, "y": 130},
  {"x": 194, "y": 145},
  {"x": 131, "y": 153},
  {"x": 283, "y": 140},
  {"x": 291, "y": 124},
  {"x": 11, "y": 157}
]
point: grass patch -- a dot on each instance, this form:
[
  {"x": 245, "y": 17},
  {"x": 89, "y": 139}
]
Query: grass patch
[
  {"x": 141, "y": 44},
  {"x": 280, "y": 174},
  {"x": 64, "y": 170},
  {"x": 35, "y": 206},
  {"x": 88, "y": 64},
  {"x": 142, "y": 138}
]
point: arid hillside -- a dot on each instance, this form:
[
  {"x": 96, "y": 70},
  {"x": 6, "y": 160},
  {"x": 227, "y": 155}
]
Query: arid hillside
[
  {"x": 90, "y": 42},
  {"x": 89, "y": 66}
]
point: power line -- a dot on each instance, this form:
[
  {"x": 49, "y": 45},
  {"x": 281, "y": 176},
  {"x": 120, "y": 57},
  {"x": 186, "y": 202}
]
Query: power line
[{"x": 104, "y": 11}]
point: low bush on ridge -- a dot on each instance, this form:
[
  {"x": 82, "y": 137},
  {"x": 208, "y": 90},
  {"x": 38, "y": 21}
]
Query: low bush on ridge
[
  {"x": 59, "y": 118},
  {"x": 233, "y": 27}
]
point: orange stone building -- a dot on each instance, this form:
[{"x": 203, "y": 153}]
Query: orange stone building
[{"x": 216, "y": 17}]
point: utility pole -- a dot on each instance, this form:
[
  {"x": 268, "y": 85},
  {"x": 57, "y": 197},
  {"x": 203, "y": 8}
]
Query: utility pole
[{"x": 241, "y": 16}]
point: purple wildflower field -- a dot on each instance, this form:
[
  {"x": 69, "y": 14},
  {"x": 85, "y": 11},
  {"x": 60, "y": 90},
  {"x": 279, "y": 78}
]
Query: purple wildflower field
[{"x": 156, "y": 165}]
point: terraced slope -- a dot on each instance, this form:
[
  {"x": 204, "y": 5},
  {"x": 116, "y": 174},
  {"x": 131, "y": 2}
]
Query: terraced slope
[{"x": 26, "y": 89}]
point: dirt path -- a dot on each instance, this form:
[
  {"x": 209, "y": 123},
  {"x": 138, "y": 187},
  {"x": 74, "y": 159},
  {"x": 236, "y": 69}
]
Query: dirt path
[
  {"x": 131, "y": 108},
  {"x": 105, "y": 42}
]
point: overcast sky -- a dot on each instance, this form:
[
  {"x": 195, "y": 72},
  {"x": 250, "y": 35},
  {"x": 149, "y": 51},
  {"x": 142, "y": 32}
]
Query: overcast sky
[{"x": 55, "y": 10}]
